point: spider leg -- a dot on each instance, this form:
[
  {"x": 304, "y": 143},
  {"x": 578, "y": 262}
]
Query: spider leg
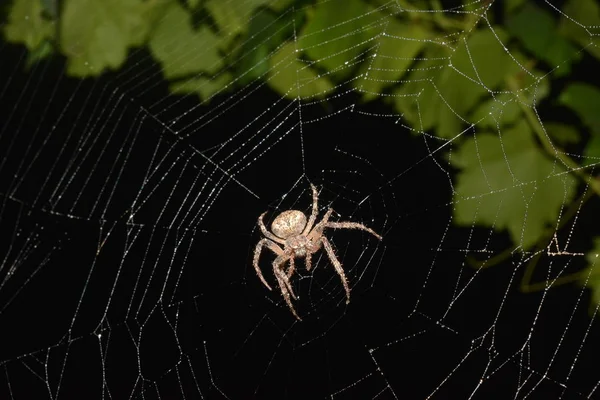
[
  {"x": 308, "y": 261},
  {"x": 257, "y": 250},
  {"x": 337, "y": 266},
  {"x": 284, "y": 284},
  {"x": 286, "y": 276},
  {"x": 315, "y": 210},
  {"x": 318, "y": 229},
  {"x": 350, "y": 225},
  {"x": 291, "y": 269},
  {"x": 265, "y": 232}
]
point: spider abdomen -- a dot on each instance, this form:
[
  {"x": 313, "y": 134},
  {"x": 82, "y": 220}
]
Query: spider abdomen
[{"x": 289, "y": 223}]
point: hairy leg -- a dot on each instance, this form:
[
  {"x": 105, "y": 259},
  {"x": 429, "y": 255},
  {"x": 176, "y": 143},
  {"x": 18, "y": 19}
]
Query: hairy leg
[
  {"x": 291, "y": 269},
  {"x": 308, "y": 261},
  {"x": 284, "y": 284},
  {"x": 257, "y": 250},
  {"x": 315, "y": 210},
  {"x": 337, "y": 265},
  {"x": 286, "y": 275},
  {"x": 351, "y": 225},
  {"x": 316, "y": 233}
]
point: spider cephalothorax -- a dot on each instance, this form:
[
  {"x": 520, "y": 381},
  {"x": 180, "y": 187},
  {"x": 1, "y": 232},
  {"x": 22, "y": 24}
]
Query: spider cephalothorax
[{"x": 300, "y": 239}]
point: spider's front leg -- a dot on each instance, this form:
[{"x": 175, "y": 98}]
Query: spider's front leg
[
  {"x": 351, "y": 225},
  {"x": 315, "y": 210}
]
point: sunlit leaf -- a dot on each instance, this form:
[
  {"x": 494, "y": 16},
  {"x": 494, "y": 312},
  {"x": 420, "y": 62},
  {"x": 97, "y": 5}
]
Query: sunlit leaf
[
  {"x": 476, "y": 64},
  {"x": 417, "y": 99},
  {"x": 281, "y": 5},
  {"x": 507, "y": 182},
  {"x": 45, "y": 49},
  {"x": 394, "y": 53},
  {"x": 232, "y": 17},
  {"x": 96, "y": 35},
  {"x": 27, "y": 24},
  {"x": 266, "y": 31},
  {"x": 501, "y": 110},
  {"x": 484, "y": 59},
  {"x": 193, "y": 3},
  {"x": 449, "y": 88},
  {"x": 181, "y": 49},
  {"x": 205, "y": 87},
  {"x": 292, "y": 78},
  {"x": 542, "y": 38},
  {"x": 584, "y": 99},
  {"x": 337, "y": 32}
]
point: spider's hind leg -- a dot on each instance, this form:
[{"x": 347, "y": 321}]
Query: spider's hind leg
[
  {"x": 337, "y": 265},
  {"x": 284, "y": 283}
]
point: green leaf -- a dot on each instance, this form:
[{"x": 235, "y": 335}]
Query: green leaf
[
  {"x": 507, "y": 182},
  {"x": 417, "y": 100},
  {"x": 591, "y": 278},
  {"x": 502, "y": 110},
  {"x": 592, "y": 151},
  {"x": 542, "y": 38},
  {"x": 232, "y": 19},
  {"x": 484, "y": 59},
  {"x": 181, "y": 49},
  {"x": 337, "y": 32},
  {"x": 27, "y": 25},
  {"x": 292, "y": 78},
  {"x": 265, "y": 33},
  {"x": 45, "y": 49},
  {"x": 457, "y": 95},
  {"x": 96, "y": 34},
  {"x": 281, "y": 5},
  {"x": 204, "y": 87},
  {"x": 441, "y": 91},
  {"x": 562, "y": 134},
  {"x": 580, "y": 21},
  {"x": 193, "y": 4},
  {"x": 394, "y": 53},
  {"x": 50, "y": 8},
  {"x": 584, "y": 99}
]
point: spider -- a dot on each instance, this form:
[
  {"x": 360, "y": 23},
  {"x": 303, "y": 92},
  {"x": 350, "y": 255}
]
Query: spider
[{"x": 300, "y": 239}]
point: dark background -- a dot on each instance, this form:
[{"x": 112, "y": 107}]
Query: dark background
[{"x": 215, "y": 331}]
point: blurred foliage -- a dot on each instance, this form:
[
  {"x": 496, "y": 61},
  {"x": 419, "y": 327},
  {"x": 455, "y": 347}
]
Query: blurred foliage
[
  {"x": 447, "y": 73},
  {"x": 515, "y": 174}
]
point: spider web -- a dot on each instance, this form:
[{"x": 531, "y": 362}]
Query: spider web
[{"x": 128, "y": 219}]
